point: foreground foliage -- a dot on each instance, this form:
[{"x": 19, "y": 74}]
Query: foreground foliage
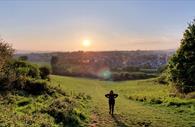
[{"x": 55, "y": 108}]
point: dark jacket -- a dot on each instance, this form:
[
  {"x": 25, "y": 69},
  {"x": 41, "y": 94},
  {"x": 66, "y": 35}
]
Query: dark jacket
[{"x": 111, "y": 97}]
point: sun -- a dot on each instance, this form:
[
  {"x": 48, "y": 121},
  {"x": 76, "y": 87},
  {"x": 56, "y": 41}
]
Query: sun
[{"x": 86, "y": 43}]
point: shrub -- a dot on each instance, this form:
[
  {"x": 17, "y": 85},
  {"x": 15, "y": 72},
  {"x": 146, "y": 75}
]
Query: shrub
[
  {"x": 65, "y": 111},
  {"x": 4, "y": 83},
  {"x": 25, "y": 69},
  {"x": 33, "y": 71},
  {"x": 44, "y": 72},
  {"x": 25, "y": 77},
  {"x": 22, "y": 71},
  {"x": 19, "y": 63},
  {"x": 30, "y": 85},
  {"x": 36, "y": 86},
  {"x": 6, "y": 78},
  {"x": 19, "y": 83}
]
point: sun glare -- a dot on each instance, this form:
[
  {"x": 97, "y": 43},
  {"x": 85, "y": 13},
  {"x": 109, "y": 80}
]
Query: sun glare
[{"x": 86, "y": 43}]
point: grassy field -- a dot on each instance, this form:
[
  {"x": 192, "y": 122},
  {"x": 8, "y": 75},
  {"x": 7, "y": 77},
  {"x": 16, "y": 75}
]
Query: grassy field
[
  {"x": 140, "y": 103},
  {"x": 80, "y": 102}
]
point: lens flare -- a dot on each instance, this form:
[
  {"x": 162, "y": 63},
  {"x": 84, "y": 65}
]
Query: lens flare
[{"x": 104, "y": 73}]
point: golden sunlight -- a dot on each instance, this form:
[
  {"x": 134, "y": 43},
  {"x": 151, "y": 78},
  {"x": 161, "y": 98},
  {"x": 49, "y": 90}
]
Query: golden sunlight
[{"x": 86, "y": 43}]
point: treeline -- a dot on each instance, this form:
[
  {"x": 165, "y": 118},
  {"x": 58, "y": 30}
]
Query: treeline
[
  {"x": 101, "y": 71},
  {"x": 131, "y": 76},
  {"x": 120, "y": 65},
  {"x": 114, "y": 59}
]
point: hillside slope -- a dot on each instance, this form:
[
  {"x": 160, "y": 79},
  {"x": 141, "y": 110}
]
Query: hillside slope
[
  {"x": 74, "y": 102},
  {"x": 130, "y": 112}
]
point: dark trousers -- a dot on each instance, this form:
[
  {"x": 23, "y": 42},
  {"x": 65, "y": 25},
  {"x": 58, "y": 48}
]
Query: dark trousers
[{"x": 111, "y": 107}]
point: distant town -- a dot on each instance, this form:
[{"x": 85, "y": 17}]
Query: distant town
[
  {"x": 109, "y": 65},
  {"x": 112, "y": 59}
]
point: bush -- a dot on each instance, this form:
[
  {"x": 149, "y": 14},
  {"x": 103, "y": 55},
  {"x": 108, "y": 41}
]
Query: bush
[
  {"x": 19, "y": 83},
  {"x": 25, "y": 69},
  {"x": 52, "y": 90},
  {"x": 22, "y": 71},
  {"x": 33, "y": 71},
  {"x": 44, "y": 72},
  {"x": 64, "y": 111},
  {"x": 30, "y": 85},
  {"x": 25, "y": 77},
  {"x": 4, "y": 83},
  {"x": 34, "y": 86}
]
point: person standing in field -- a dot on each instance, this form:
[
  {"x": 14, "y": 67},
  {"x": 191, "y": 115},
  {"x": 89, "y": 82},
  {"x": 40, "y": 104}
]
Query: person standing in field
[{"x": 111, "y": 100}]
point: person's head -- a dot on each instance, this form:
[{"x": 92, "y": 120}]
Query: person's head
[{"x": 111, "y": 92}]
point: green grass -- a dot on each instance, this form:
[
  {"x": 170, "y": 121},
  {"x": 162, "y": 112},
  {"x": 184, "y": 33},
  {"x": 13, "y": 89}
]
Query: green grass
[
  {"x": 53, "y": 109},
  {"x": 81, "y": 102},
  {"x": 136, "y": 104}
]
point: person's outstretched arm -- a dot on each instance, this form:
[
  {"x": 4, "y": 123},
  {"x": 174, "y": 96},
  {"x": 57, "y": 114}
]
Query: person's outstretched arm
[{"x": 107, "y": 95}]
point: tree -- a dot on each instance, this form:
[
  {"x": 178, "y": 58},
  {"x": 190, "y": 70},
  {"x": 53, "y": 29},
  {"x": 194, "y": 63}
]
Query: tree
[
  {"x": 6, "y": 75},
  {"x": 44, "y": 72},
  {"x": 6, "y": 53},
  {"x": 54, "y": 60},
  {"x": 181, "y": 67},
  {"x": 54, "y": 64},
  {"x": 23, "y": 58}
]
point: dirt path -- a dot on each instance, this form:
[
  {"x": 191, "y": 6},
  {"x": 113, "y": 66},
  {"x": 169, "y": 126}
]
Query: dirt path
[
  {"x": 127, "y": 113},
  {"x": 100, "y": 116}
]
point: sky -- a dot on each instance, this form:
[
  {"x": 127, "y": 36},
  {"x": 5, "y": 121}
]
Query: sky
[{"x": 63, "y": 25}]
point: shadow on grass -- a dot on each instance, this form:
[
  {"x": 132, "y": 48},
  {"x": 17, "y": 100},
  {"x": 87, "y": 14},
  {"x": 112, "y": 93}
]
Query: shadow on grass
[{"x": 118, "y": 122}]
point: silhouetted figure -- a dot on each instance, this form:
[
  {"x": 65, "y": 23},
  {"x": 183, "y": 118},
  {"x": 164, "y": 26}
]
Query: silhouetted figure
[{"x": 111, "y": 96}]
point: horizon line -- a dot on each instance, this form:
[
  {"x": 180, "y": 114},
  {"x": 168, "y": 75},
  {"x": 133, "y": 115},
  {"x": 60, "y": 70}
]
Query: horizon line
[{"x": 18, "y": 51}]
